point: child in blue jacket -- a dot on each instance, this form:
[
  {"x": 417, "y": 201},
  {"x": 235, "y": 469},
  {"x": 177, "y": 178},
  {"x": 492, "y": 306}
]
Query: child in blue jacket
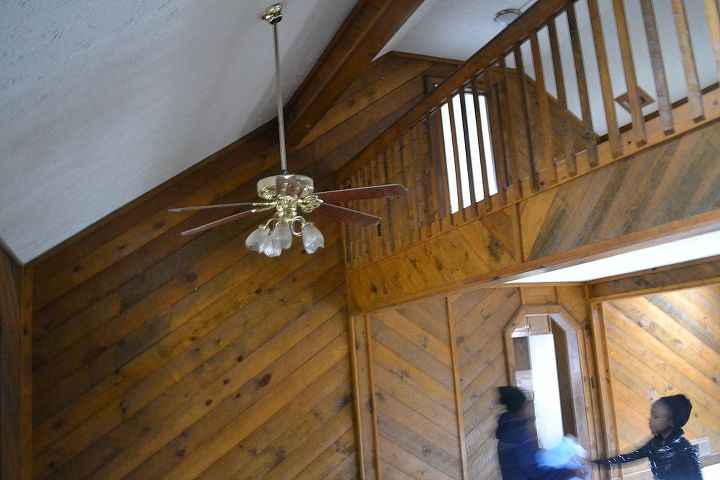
[{"x": 517, "y": 446}]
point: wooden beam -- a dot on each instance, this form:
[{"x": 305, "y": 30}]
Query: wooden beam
[
  {"x": 705, "y": 271},
  {"x": 369, "y": 27}
]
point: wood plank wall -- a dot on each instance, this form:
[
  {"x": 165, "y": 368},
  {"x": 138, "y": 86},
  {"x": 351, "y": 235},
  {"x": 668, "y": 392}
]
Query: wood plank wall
[
  {"x": 433, "y": 368},
  {"x": 661, "y": 344},
  {"x": 15, "y": 368},
  {"x": 161, "y": 356},
  {"x": 664, "y": 190}
]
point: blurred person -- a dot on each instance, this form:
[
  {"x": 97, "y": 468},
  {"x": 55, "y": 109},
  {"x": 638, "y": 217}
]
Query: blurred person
[
  {"x": 518, "y": 445},
  {"x": 671, "y": 456}
]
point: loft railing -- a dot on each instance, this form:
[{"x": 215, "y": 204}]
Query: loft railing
[{"x": 561, "y": 91}]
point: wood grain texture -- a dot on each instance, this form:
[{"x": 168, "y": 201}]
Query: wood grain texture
[
  {"x": 670, "y": 182},
  {"x": 480, "y": 317},
  {"x": 474, "y": 248},
  {"x": 15, "y": 368},
  {"x": 408, "y": 352},
  {"x": 367, "y": 29},
  {"x": 685, "y": 275},
  {"x": 655, "y": 343},
  {"x": 161, "y": 356}
]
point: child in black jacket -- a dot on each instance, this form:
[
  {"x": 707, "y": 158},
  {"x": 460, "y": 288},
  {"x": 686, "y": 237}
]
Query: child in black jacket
[{"x": 671, "y": 456}]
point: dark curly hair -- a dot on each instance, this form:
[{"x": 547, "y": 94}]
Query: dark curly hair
[{"x": 679, "y": 406}]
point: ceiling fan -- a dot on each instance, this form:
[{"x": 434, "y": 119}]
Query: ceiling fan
[{"x": 288, "y": 196}]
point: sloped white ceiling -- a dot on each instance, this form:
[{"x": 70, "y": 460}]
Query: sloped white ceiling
[
  {"x": 452, "y": 28},
  {"x": 101, "y": 101}
]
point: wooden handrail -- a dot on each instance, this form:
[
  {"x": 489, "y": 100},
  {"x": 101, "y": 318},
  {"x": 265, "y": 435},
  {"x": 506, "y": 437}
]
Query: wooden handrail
[
  {"x": 537, "y": 139},
  {"x": 533, "y": 18}
]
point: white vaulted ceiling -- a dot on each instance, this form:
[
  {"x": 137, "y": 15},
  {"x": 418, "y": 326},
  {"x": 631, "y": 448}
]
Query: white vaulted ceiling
[
  {"x": 102, "y": 101},
  {"x": 452, "y": 28}
]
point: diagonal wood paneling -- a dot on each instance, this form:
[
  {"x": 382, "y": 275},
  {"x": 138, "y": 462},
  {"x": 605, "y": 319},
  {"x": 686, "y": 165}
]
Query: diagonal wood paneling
[
  {"x": 436, "y": 365},
  {"x": 663, "y": 344},
  {"x": 414, "y": 392},
  {"x": 480, "y": 317},
  {"x": 668, "y": 187},
  {"x": 673, "y": 181},
  {"x": 472, "y": 249},
  {"x": 161, "y": 356}
]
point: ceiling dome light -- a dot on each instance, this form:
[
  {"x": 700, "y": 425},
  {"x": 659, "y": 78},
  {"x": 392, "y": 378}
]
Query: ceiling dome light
[{"x": 507, "y": 16}]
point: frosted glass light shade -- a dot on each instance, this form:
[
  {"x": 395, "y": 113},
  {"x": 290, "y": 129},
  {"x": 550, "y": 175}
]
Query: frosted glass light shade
[
  {"x": 312, "y": 238},
  {"x": 270, "y": 249},
  {"x": 281, "y": 236},
  {"x": 255, "y": 240}
]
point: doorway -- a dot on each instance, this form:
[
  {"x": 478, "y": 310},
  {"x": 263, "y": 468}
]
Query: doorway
[{"x": 544, "y": 360}]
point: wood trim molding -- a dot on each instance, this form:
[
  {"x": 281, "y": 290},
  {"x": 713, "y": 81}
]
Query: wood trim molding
[
  {"x": 356, "y": 397},
  {"x": 458, "y": 389},
  {"x": 602, "y": 361},
  {"x": 577, "y": 348},
  {"x": 16, "y": 454},
  {"x": 696, "y": 273},
  {"x": 373, "y": 401}
]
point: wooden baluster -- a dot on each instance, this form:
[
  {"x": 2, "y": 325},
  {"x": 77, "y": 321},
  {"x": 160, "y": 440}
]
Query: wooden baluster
[
  {"x": 442, "y": 173},
  {"x": 513, "y": 185},
  {"x": 379, "y": 179},
  {"x": 356, "y": 231},
  {"x": 589, "y": 134},
  {"x": 360, "y": 205},
  {"x": 501, "y": 133},
  {"x": 688, "y": 60},
  {"x": 532, "y": 160},
  {"x": 406, "y": 169},
  {"x": 374, "y": 231},
  {"x": 616, "y": 146},
  {"x": 430, "y": 186},
  {"x": 712, "y": 13},
  {"x": 567, "y": 132},
  {"x": 458, "y": 217},
  {"x": 347, "y": 235},
  {"x": 638, "y": 122},
  {"x": 434, "y": 137},
  {"x": 386, "y": 222},
  {"x": 474, "y": 209},
  {"x": 656, "y": 60},
  {"x": 547, "y": 158},
  {"x": 415, "y": 174},
  {"x": 423, "y": 171},
  {"x": 401, "y": 214},
  {"x": 481, "y": 142}
]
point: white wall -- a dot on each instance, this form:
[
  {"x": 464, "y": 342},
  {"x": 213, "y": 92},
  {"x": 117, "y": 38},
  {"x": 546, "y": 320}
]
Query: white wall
[{"x": 548, "y": 416}]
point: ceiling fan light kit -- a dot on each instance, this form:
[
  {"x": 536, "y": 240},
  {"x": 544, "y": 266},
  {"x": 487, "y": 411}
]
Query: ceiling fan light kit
[{"x": 291, "y": 196}]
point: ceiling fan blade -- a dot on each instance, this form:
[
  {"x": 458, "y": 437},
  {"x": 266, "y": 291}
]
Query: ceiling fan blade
[
  {"x": 390, "y": 190},
  {"x": 219, "y": 205},
  {"x": 222, "y": 221},
  {"x": 336, "y": 213}
]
